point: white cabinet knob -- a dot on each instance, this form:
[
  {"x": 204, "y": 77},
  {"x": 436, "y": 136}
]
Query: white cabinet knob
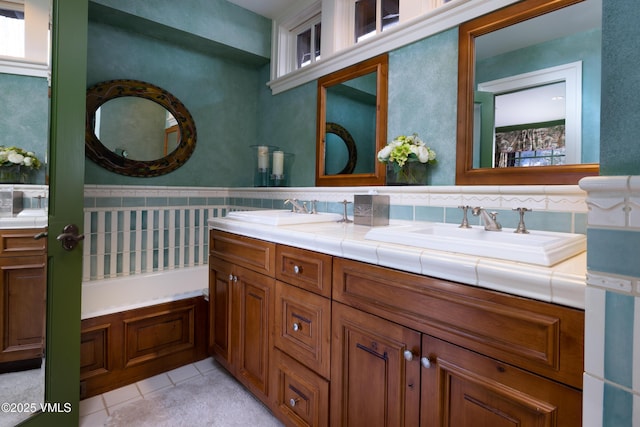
[
  {"x": 297, "y": 269},
  {"x": 296, "y": 327},
  {"x": 426, "y": 363},
  {"x": 292, "y": 402},
  {"x": 408, "y": 355}
]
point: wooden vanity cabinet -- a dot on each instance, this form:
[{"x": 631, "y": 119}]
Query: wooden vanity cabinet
[
  {"x": 329, "y": 341},
  {"x": 241, "y": 304},
  {"x": 23, "y": 279},
  {"x": 486, "y": 358}
]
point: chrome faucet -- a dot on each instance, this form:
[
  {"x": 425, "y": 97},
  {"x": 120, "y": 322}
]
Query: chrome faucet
[
  {"x": 490, "y": 219},
  {"x": 297, "y": 207}
]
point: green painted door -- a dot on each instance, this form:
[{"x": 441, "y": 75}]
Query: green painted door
[{"x": 66, "y": 179}]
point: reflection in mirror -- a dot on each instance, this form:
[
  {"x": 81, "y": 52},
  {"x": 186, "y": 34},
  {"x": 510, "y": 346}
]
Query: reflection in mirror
[
  {"x": 24, "y": 122},
  {"x": 341, "y": 151},
  {"x": 536, "y": 140},
  {"x": 137, "y": 129},
  {"x": 529, "y": 94},
  {"x": 352, "y": 106}
]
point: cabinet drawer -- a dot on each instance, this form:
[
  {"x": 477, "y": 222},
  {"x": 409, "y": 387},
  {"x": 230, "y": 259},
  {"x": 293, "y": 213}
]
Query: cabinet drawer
[
  {"x": 254, "y": 254},
  {"x": 21, "y": 242},
  {"x": 303, "y": 326},
  {"x": 301, "y": 397},
  {"x": 540, "y": 337},
  {"x": 306, "y": 269}
]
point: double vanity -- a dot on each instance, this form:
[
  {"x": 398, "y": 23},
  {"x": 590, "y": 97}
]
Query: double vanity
[{"x": 414, "y": 323}]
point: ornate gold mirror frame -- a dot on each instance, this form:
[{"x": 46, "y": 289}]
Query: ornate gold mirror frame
[{"x": 102, "y": 92}]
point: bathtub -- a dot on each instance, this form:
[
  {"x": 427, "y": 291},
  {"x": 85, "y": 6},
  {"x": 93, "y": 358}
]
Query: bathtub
[
  {"x": 138, "y": 326},
  {"x": 107, "y": 296}
]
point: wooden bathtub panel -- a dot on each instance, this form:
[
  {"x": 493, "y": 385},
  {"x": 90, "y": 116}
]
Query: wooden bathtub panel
[
  {"x": 158, "y": 334},
  {"x": 125, "y": 347},
  {"x": 94, "y": 359}
]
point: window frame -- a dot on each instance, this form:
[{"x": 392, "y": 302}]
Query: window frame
[
  {"x": 285, "y": 31},
  {"x": 379, "y": 25},
  {"x": 309, "y": 24}
]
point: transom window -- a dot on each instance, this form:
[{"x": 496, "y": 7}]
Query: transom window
[
  {"x": 308, "y": 42},
  {"x": 375, "y": 16}
]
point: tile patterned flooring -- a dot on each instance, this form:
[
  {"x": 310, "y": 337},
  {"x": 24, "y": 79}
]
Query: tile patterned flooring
[{"x": 95, "y": 410}]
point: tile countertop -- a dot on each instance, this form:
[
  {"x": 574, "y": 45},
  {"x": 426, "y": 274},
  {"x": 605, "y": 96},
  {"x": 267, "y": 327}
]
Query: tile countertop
[{"x": 563, "y": 283}]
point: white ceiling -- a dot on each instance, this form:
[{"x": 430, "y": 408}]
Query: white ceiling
[{"x": 269, "y": 8}]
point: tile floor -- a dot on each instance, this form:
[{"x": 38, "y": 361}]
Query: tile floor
[{"x": 95, "y": 410}]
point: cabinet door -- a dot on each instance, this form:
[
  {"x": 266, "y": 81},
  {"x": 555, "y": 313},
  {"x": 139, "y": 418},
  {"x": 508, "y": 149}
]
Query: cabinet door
[
  {"x": 220, "y": 333},
  {"x": 253, "y": 305},
  {"x": 22, "y": 308},
  {"x": 371, "y": 382},
  {"x": 462, "y": 388}
]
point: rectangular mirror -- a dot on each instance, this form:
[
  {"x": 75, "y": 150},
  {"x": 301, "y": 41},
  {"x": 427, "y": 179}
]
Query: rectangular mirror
[
  {"x": 529, "y": 94},
  {"x": 24, "y": 121},
  {"x": 352, "y": 124}
]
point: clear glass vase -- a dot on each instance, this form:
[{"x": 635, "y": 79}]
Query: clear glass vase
[
  {"x": 412, "y": 173},
  {"x": 14, "y": 174}
]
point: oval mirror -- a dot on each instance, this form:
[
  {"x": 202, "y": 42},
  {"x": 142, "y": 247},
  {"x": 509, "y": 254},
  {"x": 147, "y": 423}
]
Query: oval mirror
[
  {"x": 137, "y": 129},
  {"x": 529, "y": 94}
]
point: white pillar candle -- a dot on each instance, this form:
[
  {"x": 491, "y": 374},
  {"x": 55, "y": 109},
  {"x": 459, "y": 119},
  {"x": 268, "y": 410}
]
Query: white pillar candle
[
  {"x": 263, "y": 157},
  {"x": 278, "y": 163}
]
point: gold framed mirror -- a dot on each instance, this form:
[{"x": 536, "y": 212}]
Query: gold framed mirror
[
  {"x": 166, "y": 135},
  {"x": 355, "y": 99},
  {"x": 469, "y": 171}
]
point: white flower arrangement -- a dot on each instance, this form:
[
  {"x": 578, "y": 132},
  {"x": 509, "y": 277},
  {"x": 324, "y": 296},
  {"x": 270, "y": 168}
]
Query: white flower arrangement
[
  {"x": 405, "y": 149},
  {"x": 11, "y": 156}
]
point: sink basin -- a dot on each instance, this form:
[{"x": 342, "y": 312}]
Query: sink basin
[
  {"x": 544, "y": 248},
  {"x": 282, "y": 217}
]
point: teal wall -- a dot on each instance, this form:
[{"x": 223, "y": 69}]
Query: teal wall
[
  {"x": 288, "y": 120},
  {"x": 24, "y": 116},
  {"x": 423, "y": 88},
  {"x": 585, "y": 47},
  {"x": 620, "y": 152},
  {"x": 614, "y": 251},
  {"x": 233, "y": 108},
  {"x": 221, "y": 94},
  {"x": 357, "y": 114},
  {"x": 201, "y": 22}
]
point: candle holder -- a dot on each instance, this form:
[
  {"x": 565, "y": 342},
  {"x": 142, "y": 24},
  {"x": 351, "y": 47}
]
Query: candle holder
[
  {"x": 282, "y": 180},
  {"x": 262, "y": 172}
]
